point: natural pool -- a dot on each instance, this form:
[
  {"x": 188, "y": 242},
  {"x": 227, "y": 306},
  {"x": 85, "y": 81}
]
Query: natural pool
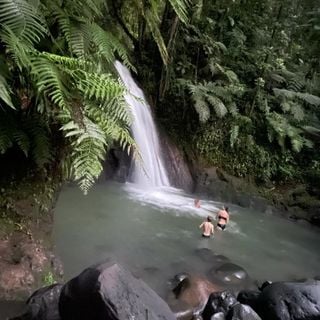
[{"x": 155, "y": 235}]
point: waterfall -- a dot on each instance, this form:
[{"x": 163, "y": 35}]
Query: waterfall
[{"x": 151, "y": 172}]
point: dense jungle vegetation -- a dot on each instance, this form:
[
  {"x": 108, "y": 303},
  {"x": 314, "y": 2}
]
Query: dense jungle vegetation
[{"x": 235, "y": 83}]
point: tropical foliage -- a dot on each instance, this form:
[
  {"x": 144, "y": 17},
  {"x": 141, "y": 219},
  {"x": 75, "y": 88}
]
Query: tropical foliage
[
  {"x": 235, "y": 82},
  {"x": 56, "y": 74},
  {"x": 58, "y": 78},
  {"x": 243, "y": 86}
]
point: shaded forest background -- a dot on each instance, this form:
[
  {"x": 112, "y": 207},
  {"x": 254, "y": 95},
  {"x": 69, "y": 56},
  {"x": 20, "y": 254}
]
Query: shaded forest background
[{"x": 234, "y": 83}]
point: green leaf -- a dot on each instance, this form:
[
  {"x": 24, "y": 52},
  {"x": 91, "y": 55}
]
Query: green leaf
[{"x": 5, "y": 92}]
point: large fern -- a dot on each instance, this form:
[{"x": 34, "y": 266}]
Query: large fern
[
  {"x": 23, "y": 19},
  {"x": 70, "y": 87}
]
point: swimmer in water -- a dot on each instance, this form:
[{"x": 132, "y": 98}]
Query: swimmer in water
[
  {"x": 223, "y": 218},
  {"x": 197, "y": 203},
  {"x": 207, "y": 228}
]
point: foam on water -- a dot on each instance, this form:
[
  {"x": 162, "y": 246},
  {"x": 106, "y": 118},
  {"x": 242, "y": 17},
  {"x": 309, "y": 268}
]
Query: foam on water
[{"x": 167, "y": 199}]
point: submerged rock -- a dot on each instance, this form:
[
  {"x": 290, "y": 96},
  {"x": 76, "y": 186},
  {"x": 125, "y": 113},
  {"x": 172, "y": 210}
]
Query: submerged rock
[
  {"x": 194, "y": 290},
  {"x": 229, "y": 273},
  {"x": 209, "y": 256},
  {"x": 108, "y": 291}
]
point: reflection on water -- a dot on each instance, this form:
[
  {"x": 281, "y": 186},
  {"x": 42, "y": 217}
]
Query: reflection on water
[{"x": 155, "y": 235}]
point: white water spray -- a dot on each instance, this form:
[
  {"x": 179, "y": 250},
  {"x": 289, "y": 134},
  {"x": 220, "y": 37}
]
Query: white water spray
[{"x": 152, "y": 172}]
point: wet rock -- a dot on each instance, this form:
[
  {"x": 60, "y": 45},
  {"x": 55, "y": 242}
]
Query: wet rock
[
  {"x": 249, "y": 297},
  {"x": 178, "y": 283},
  {"x": 218, "y": 316},
  {"x": 182, "y": 310},
  {"x": 219, "y": 302},
  {"x": 116, "y": 166},
  {"x": 229, "y": 273},
  {"x": 265, "y": 284},
  {"x": 242, "y": 312},
  {"x": 43, "y": 304},
  {"x": 290, "y": 301},
  {"x": 108, "y": 291},
  {"x": 176, "y": 164},
  {"x": 194, "y": 291}
]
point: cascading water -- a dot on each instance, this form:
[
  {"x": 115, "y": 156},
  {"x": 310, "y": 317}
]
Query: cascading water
[{"x": 151, "y": 172}]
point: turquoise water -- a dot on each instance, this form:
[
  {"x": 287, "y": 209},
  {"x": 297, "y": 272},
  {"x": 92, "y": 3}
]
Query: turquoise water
[{"x": 155, "y": 235}]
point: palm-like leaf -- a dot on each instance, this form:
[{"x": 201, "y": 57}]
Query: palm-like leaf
[{"x": 181, "y": 8}]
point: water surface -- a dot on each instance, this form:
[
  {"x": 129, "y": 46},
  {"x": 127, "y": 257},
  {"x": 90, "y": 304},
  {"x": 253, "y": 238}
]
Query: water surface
[{"x": 155, "y": 235}]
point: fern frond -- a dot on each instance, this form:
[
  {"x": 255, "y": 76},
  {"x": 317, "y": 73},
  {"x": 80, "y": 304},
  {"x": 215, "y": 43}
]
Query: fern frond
[
  {"x": 40, "y": 145},
  {"x": 233, "y": 109},
  {"x": 281, "y": 129},
  {"x": 234, "y": 133},
  {"x": 17, "y": 49},
  {"x": 23, "y": 20},
  {"x": 277, "y": 78},
  {"x": 6, "y": 135},
  {"x": 297, "y": 111},
  {"x": 108, "y": 45},
  {"x": 101, "y": 87},
  {"x": 309, "y": 98},
  {"x": 69, "y": 63},
  {"x": 219, "y": 107},
  {"x": 88, "y": 151},
  {"x": 296, "y": 84},
  {"x": 306, "y": 97},
  {"x": 117, "y": 109},
  {"x": 79, "y": 39},
  {"x": 49, "y": 81},
  {"x": 22, "y": 140},
  {"x": 114, "y": 131},
  {"x": 5, "y": 92},
  {"x": 201, "y": 107}
]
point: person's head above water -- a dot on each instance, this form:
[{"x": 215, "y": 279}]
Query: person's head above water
[{"x": 209, "y": 219}]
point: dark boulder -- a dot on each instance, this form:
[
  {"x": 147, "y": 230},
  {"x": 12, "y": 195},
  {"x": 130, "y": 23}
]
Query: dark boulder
[
  {"x": 290, "y": 301},
  {"x": 249, "y": 297},
  {"x": 219, "y": 302},
  {"x": 242, "y": 312},
  {"x": 43, "y": 304},
  {"x": 108, "y": 291},
  {"x": 265, "y": 284}
]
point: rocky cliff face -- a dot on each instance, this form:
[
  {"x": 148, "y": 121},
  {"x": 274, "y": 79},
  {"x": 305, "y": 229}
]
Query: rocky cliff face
[{"x": 177, "y": 167}]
